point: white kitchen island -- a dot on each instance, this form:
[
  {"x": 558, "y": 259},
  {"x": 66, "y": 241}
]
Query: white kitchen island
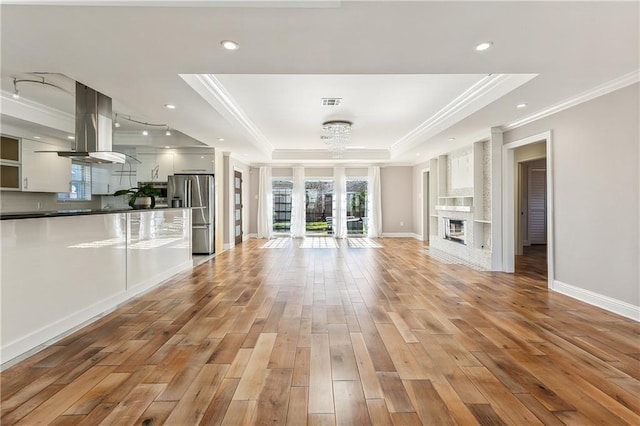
[{"x": 59, "y": 270}]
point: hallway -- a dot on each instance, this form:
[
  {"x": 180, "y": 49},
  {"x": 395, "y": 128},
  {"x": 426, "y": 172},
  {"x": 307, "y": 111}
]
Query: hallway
[{"x": 343, "y": 335}]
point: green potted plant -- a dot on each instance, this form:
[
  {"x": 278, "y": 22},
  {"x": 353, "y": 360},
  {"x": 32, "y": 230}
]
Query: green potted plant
[{"x": 140, "y": 198}]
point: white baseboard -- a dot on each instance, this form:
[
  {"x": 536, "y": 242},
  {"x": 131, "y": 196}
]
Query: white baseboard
[
  {"x": 227, "y": 246},
  {"x": 252, "y": 235},
  {"x": 401, "y": 235},
  {"x": 33, "y": 342},
  {"x": 605, "y": 302}
]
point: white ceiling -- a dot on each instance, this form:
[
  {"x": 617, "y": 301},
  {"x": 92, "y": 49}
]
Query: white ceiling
[{"x": 400, "y": 67}]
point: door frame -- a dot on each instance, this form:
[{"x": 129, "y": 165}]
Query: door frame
[
  {"x": 233, "y": 220},
  {"x": 509, "y": 203}
]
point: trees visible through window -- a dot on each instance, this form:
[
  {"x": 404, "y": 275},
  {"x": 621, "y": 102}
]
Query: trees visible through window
[
  {"x": 282, "y": 205},
  {"x": 80, "y": 186}
]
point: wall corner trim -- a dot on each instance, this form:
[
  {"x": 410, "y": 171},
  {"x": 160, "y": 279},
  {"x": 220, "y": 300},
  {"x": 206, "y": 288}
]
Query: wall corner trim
[{"x": 610, "y": 304}]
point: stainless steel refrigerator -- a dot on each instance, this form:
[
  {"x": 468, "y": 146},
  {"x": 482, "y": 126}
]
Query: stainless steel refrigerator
[{"x": 196, "y": 191}]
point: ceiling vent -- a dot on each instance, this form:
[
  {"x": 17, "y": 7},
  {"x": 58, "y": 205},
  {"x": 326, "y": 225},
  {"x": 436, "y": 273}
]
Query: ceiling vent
[{"x": 331, "y": 101}]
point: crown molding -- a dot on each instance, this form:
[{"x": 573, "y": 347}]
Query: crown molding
[
  {"x": 603, "y": 89},
  {"x": 476, "y": 97},
  {"x": 211, "y": 90}
]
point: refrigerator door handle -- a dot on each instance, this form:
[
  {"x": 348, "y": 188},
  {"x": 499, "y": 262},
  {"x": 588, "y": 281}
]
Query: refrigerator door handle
[
  {"x": 187, "y": 193},
  {"x": 201, "y": 226}
]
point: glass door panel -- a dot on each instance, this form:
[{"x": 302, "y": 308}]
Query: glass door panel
[
  {"x": 319, "y": 207},
  {"x": 357, "y": 214}
]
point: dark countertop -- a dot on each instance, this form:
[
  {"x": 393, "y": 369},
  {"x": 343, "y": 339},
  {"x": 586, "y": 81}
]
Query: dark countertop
[{"x": 75, "y": 212}]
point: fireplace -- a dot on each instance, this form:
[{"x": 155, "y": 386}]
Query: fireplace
[{"x": 454, "y": 230}]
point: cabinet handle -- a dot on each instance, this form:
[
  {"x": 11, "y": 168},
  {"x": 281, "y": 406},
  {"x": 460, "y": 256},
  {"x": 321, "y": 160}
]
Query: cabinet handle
[
  {"x": 26, "y": 183},
  {"x": 109, "y": 188}
]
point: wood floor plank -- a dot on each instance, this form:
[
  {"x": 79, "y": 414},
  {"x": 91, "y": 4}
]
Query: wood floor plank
[
  {"x": 273, "y": 400},
  {"x": 320, "y": 383},
  {"x": 297, "y": 336},
  {"x": 297, "y": 410},
  {"x": 428, "y": 403},
  {"x": 134, "y": 404},
  {"x": 192, "y": 406},
  {"x": 350, "y": 405},
  {"x": 254, "y": 374},
  {"x": 156, "y": 413},
  {"x": 218, "y": 406},
  {"x": 378, "y": 412},
  {"x": 62, "y": 400},
  {"x": 370, "y": 384}
]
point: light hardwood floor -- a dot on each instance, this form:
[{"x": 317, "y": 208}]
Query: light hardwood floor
[{"x": 337, "y": 336}]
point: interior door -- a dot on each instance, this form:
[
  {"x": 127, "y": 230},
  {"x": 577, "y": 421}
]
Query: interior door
[
  {"x": 537, "y": 206},
  {"x": 237, "y": 210}
]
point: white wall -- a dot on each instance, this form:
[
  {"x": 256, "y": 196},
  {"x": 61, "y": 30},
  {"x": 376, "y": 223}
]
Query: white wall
[
  {"x": 397, "y": 199},
  {"x": 596, "y": 193}
]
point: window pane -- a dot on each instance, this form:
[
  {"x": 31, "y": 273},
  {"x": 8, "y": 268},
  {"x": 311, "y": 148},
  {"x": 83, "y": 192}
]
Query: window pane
[
  {"x": 80, "y": 185},
  {"x": 282, "y": 205}
]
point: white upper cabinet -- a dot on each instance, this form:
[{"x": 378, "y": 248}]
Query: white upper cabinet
[
  {"x": 154, "y": 167},
  {"x": 43, "y": 171},
  {"x": 193, "y": 163}
]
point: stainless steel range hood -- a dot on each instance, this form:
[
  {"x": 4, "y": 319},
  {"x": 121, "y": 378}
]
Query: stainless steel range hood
[{"x": 93, "y": 142}]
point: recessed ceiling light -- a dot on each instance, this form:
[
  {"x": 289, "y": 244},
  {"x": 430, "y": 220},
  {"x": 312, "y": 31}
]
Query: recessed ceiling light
[
  {"x": 36, "y": 137},
  {"x": 229, "y": 44},
  {"x": 117, "y": 124},
  {"x": 418, "y": 154},
  {"x": 451, "y": 139},
  {"x": 170, "y": 106},
  {"x": 220, "y": 139},
  {"x": 71, "y": 137},
  {"x": 521, "y": 106},
  {"x": 145, "y": 133},
  {"x": 484, "y": 45},
  {"x": 167, "y": 146}
]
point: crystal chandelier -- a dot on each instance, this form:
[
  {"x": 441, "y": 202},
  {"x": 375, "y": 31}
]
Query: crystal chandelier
[{"x": 337, "y": 135}]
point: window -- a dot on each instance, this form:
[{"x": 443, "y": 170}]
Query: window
[
  {"x": 282, "y": 205},
  {"x": 80, "y": 184}
]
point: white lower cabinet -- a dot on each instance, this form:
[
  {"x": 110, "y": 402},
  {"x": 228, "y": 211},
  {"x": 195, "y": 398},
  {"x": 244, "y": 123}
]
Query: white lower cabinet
[{"x": 43, "y": 171}]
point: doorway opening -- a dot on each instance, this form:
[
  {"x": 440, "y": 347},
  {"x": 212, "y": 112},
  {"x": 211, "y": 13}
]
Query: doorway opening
[
  {"x": 319, "y": 207},
  {"x": 527, "y": 208},
  {"x": 531, "y": 232}
]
